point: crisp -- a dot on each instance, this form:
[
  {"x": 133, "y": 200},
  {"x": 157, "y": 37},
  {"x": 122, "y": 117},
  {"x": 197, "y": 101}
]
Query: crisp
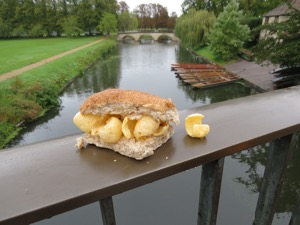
[{"x": 194, "y": 126}]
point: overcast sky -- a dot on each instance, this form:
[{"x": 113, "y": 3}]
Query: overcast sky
[{"x": 172, "y": 5}]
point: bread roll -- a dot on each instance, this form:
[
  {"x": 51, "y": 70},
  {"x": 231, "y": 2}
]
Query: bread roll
[{"x": 144, "y": 120}]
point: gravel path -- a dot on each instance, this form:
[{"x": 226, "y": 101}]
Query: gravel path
[{"x": 42, "y": 62}]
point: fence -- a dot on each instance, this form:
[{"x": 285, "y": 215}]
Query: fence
[{"x": 44, "y": 179}]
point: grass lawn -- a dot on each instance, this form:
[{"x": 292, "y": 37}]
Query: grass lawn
[
  {"x": 62, "y": 69},
  {"x": 15, "y": 54},
  {"x": 206, "y": 53}
]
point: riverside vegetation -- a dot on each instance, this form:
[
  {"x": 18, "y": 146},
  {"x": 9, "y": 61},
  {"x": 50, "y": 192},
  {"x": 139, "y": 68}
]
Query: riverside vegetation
[{"x": 27, "y": 97}]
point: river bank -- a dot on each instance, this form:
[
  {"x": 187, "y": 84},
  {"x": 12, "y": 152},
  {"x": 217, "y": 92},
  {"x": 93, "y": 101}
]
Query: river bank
[{"x": 29, "y": 96}]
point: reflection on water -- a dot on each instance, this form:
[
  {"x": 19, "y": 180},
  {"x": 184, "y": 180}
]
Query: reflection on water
[
  {"x": 147, "y": 67},
  {"x": 256, "y": 160}
]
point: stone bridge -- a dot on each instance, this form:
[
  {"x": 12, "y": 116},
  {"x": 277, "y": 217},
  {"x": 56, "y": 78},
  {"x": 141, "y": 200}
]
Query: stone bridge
[{"x": 136, "y": 36}]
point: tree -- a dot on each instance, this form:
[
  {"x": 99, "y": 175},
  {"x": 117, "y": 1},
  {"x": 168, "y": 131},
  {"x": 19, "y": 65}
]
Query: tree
[
  {"x": 228, "y": 35},
  {"x": 172, "y": 20},
  {"x": 127, "y": 21},
  {"x": 5, "y": 29},
  {"x": 86, "y": 16},
  {"x": 160, "y": 16},
  {"x": 258, "y": 7},
  {"x": 249, "y": 7},
  {"x": 71, "y": 26},
  {"x": 7, "y": 15},
  {"x": 21, "y": 18},
  {"x": 42, "y": 22},
  {"x": 108, "y": 23},
  {"x": 215, "y": 6},
  {"x": 144, "y": 16},
  {"x": 153, "y": 16},
  {"x": 282, "y": 44},
  {"x": 123, "y": 7},
  {"x": 193, "y": 28}
]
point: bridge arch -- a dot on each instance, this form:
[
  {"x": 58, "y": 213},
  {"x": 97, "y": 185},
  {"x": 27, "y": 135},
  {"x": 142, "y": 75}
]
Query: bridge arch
[
  {"x": 127, "y": 38},
  {"x": 146, "y": 37},
  {"x": 155, "y": 35}
]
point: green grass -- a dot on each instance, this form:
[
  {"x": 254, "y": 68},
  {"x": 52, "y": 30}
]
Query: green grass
[
  {"x": 64, "y": 68},
  {"x": 15, "y": 54},
  {"x": 206, "y": 53}
]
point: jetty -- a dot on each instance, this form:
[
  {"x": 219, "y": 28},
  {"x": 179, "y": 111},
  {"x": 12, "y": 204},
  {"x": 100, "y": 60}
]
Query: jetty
[{"x": 203, "y": 75}]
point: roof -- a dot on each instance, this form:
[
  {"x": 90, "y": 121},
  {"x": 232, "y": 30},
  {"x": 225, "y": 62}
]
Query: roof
[{"x": 283, "y": 8}]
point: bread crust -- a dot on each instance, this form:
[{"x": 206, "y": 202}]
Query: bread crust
[{"x": 126, "y": 97}]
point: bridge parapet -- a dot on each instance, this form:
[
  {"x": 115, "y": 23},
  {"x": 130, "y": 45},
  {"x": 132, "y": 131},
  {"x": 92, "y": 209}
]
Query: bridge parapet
[
  {"x": 136, "y": 36},
  {"x": 44, "y": 179}
]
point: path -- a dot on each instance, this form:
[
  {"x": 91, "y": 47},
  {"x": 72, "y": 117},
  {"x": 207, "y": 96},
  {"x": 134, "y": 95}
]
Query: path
[{"x": 44, "y": 61}]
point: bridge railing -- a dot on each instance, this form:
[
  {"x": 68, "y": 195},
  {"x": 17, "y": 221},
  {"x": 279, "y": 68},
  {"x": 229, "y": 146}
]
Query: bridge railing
[
  {"x": 44, "y": 179},
  {"x": 147, "y": 31}
]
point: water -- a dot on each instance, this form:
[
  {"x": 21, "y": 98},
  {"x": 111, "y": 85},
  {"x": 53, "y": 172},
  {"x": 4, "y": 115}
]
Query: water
[
  {"x": 173, "y": 200},
  {"x": 132, "y": 66}
]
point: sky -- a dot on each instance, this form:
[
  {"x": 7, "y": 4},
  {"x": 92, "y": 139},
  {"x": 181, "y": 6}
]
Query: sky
[{"x": 172, "y": 5}]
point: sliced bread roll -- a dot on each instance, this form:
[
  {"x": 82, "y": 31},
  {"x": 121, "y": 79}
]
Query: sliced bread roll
[{"x": 130, "y": 122}]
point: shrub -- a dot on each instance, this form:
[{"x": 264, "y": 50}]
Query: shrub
[
  {"x": 7, "y": 132},
  {"x": 228, "y": 35}
]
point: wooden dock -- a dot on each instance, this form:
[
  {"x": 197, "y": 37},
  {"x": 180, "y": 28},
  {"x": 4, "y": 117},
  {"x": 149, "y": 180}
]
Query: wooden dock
[{"x": 203, "y": 75}]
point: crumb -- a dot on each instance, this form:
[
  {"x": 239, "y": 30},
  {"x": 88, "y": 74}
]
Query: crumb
[
  {"x": 167, "y": 157},
  {"x": 79, "y": 143},
  {"x": 115, "y": 160}
]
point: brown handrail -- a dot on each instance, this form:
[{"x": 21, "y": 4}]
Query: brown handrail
[{"x": 44, "y": 179}]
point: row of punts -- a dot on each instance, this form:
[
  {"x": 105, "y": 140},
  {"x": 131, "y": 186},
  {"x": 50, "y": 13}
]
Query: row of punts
[
  {"x": 203, "y": 75},
  {"x": 286, "y": 76}
]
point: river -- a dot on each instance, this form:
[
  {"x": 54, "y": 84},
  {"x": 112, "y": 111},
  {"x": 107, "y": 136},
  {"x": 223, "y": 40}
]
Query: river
[{"x": 173, "y": 200}]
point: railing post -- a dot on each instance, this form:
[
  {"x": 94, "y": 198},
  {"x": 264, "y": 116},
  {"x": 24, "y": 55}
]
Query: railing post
[
  {"x": 107, "y": 210},
  {"x": 272, "y": 181},
  {"x": 295, "y": 220},
  {"x": 210, "y": 188}
]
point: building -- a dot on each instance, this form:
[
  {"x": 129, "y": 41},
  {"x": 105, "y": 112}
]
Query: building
[{"x": 278, "y": 14}]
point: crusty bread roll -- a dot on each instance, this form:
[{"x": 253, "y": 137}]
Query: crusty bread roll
[{"x": 132, "y": 123}]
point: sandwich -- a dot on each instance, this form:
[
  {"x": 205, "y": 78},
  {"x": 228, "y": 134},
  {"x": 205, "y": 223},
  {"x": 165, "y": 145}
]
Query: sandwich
[{"x": 130, "y": 122}]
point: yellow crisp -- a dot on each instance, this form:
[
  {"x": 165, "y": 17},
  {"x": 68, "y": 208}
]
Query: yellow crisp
[
  {"x": 110, "y": 128},
  {"x": 194, "y": 126},
  {"x": 86, "y": 122},
  {"x": 128, "y": 127},
  {"x": 145, "y": 126},
  {"x": 111, "y": 132},
  {"x": 163, "y": 128}
]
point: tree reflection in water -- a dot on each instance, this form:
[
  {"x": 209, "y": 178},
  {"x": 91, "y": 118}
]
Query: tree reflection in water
[
  {"x": 256, "y": 159},
  {"x": 103, "y": 74}
]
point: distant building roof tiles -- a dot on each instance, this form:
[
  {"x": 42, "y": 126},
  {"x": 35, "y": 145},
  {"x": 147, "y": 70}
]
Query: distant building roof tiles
[{"x": 283, "y": 9}]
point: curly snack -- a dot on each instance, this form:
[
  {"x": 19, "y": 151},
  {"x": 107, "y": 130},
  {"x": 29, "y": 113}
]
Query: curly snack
[
  {"x": 194, "y": 126},
  {"x": 132, "y": 123}
]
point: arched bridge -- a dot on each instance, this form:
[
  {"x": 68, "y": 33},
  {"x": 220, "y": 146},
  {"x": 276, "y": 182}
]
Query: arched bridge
[{"x": 137, "y": 36}]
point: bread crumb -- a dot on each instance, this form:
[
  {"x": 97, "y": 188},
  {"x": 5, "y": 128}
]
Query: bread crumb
[{"x": 80, "y": 143}]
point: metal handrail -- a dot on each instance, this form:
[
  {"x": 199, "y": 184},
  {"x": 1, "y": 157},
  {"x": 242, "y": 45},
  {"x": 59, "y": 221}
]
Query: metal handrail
[{"x": 44, "y": 179}]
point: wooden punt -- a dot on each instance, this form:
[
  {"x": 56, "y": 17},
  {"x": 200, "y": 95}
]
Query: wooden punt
[
  {"x": 183, "y": 71},
  {"x": 203, "y": 75},
  {"x": 193, "y": 66}
]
